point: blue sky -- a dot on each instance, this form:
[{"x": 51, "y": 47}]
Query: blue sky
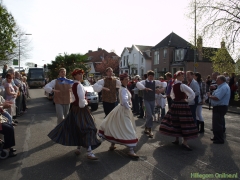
[{"x": 76, "y": 26}]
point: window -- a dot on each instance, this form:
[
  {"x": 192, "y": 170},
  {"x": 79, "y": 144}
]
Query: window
[
  {"x": 156, "y": 57},
  {"x": 179, "y": 54},
  {"x": 124, "y": 62},
  {"x": 126, "y": 71},
  {"x": 121, "y": 64},
  {"x": 127, "y": 60},
  {"x": 174, "y": 70},
  {"x": 181, "y": 69},
  {"x": 164, "y": 69},
  {"x": 165, "y": 53},
  {"x": 156, "y": 73},
  {"x": 142, "y": 72},
  {"x": 142, "y": 60}
]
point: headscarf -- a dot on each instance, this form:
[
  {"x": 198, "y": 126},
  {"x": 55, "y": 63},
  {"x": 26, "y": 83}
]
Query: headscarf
[
  {"x": 77, "y": 71},
  {"x": 122, "y": 76},
  {"x": 178, "y": 73}
]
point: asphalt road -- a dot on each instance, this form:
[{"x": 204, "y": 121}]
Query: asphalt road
[{"x": 40, "y": 159}]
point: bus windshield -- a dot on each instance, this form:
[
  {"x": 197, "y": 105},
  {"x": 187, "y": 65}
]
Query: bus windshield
[{"x": 35, "y": 74}]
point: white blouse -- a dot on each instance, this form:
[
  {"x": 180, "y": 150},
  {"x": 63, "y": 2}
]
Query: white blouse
[
  {"x": 184, "y": 88},
  {"x": 98, "y": 86},
  {"x": 81, "y": 95},
  {"x": 125, "y": 98}
]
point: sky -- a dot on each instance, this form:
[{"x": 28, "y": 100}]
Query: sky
[{"x": 76, "y": 26}]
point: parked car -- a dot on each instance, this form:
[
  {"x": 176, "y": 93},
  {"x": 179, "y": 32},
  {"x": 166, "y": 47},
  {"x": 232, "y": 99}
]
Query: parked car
[{"x": 91, "y": 95}]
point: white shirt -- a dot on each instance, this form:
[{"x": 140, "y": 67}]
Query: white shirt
[
  {"x": 184, "y": 88},
  {"x": 125, "y": 97},
  {"x": 141, "y": 85},
  {"x": 49, "y": 86},
  {"x": 98, "y": 86}
]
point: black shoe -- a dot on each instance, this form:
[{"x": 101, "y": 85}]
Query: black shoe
[
  {"x": 11, "y": 154},
  {"x": 218, "y": 142},
  {"x": 175, "y": 142},
  {"x": 13, "y": 150},
  {"x": 213, "y": 139},
  {"x": 140, "y": 117},
  {"x": 186, "y": 147},
  {"x": 15, "y": 121}
]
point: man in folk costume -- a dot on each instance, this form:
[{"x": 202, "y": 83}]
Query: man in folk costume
[
  {"x": 62, "y": 94},
  {"x": 108, "y": 86},
  {"x": 149, "y": 86}
]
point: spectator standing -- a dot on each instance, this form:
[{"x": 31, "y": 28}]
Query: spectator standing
[
  {"x": 170, "y": 82},
  {"x": 202, "y": 86},
  {"x": 233, "y": 86},
  {"x": 219, "y": 100},
  {"x": 4, "y": 71},
  {"x": 192, "y": 83}
]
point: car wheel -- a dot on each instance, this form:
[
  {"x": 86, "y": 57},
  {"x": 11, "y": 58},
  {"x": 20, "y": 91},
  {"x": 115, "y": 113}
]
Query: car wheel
[{"x": 94, "y": 106}]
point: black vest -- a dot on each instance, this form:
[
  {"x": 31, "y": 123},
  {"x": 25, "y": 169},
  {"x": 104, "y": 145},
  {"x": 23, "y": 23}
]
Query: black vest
[{"x": 149, "y": 95}]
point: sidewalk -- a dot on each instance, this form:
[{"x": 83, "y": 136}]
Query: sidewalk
[{"x": 231, "y": 109}]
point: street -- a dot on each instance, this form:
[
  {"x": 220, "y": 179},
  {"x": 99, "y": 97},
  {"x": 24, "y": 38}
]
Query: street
[{"x": 41, "y": 159}]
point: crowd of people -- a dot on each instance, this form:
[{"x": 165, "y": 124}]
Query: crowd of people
[
  {"x": 124, "y": 97},
  {"x": 13, "y": 104}
]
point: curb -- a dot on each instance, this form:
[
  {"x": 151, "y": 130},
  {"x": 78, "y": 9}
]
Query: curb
[{"x": 229, "y": 111}]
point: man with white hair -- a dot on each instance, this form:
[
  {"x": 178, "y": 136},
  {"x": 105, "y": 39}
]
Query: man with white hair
[{"x": 219, "y": 100}]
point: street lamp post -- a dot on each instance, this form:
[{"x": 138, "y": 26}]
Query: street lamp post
[{"x": 19, "y": 53}]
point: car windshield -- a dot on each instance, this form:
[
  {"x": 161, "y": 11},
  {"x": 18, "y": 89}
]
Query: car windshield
[{"x": 86, "y": 83}]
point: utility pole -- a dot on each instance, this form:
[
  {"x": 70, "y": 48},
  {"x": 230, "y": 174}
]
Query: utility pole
[{"x": 195, "y": 30}]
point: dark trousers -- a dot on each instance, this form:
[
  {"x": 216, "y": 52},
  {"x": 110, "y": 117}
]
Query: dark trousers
[
  {"x": 136, "y": 104},
  {"x": 169, "y": 101},
  {"x": 193, "y": 109},
  {"x": 108, "y": 107},
  {"x": 218, "y": 122},
  {"x": 140, "y": 99},
  {"x": 8, "y": 132},
  {"x": 24, "y": 104}
]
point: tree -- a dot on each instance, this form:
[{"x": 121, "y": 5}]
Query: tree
[
  {"x": 222, "y": 61},
  {"x": 69, "y": 62},
  {"x": 219, "y": 18},
  {"x": 7, "y": 32},
  {"x": 107, "y": 62}
]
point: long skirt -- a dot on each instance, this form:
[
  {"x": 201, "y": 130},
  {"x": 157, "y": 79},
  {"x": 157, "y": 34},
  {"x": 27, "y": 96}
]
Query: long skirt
[
  {"x": 179, "y": 122},
  {"x": 78, "y": 129},
  {"x": 119, "y": 127}
]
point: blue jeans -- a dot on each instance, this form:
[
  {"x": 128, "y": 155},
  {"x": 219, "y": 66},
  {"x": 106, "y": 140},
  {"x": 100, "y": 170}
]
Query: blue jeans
[
  {"x": 8, "y": 116},
  {"x": 149, "y": 105}
]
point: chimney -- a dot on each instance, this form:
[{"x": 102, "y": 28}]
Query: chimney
[
  {"x": 223, "y": 44},
  {"x": 99, "y": 49},
  {"x": 199, "y": 48},
  {"x": 89, "y": 51}
]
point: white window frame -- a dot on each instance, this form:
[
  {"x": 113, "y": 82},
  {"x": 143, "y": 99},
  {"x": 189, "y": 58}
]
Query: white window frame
[{"x": 165, "y": 53}]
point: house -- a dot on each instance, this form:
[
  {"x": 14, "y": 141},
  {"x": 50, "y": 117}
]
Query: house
[
  {"x": 135, "y": 60},
  {"x": 174, "y": 53},
  {"x": 99, "y": 60}
]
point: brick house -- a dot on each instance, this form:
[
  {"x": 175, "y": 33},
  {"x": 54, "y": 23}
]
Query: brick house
[
  {"x": 99, "y": 60},
  {"x": 174, "y": 53}
]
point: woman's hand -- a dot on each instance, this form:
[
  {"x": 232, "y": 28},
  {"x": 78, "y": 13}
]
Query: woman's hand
[
  {"x": 148, "y": 89},
  {"x": 56, "y": 91}
]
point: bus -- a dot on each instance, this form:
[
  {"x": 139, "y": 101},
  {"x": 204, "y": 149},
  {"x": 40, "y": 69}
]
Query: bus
[{"x": 36, "y": 77}]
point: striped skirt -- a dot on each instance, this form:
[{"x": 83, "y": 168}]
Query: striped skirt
[
  {"x": 179, "y": 122},
  {"x": 78, "y": 129}
]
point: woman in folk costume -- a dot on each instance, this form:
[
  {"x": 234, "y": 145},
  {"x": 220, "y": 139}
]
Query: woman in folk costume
[
  {"x": 78, "y": 129},
  {"x": 179, "y": 122},
  {"x": 119, "y": 126}
]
